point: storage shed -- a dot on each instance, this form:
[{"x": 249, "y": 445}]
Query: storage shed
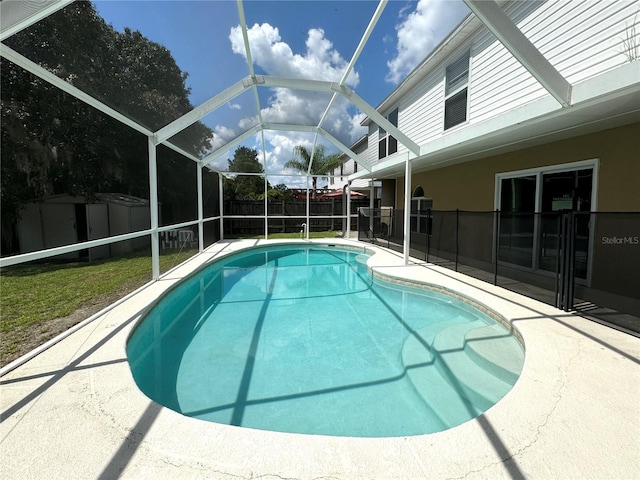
[{"x": 64, "y": 219}]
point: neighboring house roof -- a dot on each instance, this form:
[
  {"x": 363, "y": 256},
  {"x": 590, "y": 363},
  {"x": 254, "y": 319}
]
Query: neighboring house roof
[{"x": 358, "y": 146}]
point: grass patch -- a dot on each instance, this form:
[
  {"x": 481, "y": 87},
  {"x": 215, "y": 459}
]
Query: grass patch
[
  {"x": 37, "y": 293},
  {"x": 40, "y": 300}
]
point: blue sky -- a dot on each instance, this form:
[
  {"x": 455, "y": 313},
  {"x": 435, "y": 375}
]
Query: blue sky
[{"x": 303, "y": 39}]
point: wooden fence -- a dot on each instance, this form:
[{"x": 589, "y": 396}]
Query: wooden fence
[{"x": 296, "y": 209}]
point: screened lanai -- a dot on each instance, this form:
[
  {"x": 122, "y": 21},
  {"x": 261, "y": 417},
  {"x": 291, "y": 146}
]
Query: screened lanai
[
  {"x": 101, "y": 80},
  {"x": 185, "y": 105}
]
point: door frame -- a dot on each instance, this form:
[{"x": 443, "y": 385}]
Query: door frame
[{"x": 538, "y": 172}]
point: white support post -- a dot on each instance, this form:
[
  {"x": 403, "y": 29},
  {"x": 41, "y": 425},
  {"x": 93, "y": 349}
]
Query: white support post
[
  {"x": 407, "y": 211},
  {"x": 266, "y": 210},
  {"x": 200, "y": 209},
  {"x": 307, "y": 226},
  {"x": 348, "y": 234},
  {"x": 153, "y": 205},
  {"x": 221, "y": 203}
]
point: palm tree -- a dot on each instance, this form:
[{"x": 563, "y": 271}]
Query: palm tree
[{"x": 321, "y": 166}]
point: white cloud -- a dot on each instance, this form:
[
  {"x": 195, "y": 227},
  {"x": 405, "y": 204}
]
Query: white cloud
[
  {"x": 235, "y": 106},
  {"x": 320, "y": 61},
  {"x": 221, "y": 135},
  {"x": 280, "y": 148},
  {"x": 420, "y": 32}
]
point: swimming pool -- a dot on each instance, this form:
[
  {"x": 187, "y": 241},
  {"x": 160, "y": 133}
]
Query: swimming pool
[{"x": 303, "y": 339}]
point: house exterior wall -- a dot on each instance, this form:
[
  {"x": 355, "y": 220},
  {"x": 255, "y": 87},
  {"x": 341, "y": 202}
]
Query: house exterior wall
[
  {"x": 338, "y": 180},
  {"x": 581, "y": 39},
  {"x": 471, "y": 185}
]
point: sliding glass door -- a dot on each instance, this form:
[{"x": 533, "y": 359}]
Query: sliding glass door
[
  {"x": 530, "y": 203},
  {"x": 570, "y": 190}
]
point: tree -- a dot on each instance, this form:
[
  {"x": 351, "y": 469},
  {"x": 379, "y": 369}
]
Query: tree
[
  {"x": 53, "y": 143},
  {"x": 321, "y": 165},
  {"x": 245, "y": 187}
]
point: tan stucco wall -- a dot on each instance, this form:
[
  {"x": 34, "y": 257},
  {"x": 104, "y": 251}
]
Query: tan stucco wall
[{"x": 471, "y": 185}]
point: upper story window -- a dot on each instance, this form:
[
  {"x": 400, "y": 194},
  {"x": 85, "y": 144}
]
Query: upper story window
[
  {"x": 457, "y": 81},
  {"x": 387, "y": 144}
]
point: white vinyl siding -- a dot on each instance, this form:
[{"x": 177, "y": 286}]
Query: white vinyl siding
[
  {"x": 590, "y": 48},
  {"x": 499, "y": 83},
  {"x": 581, "y": 39},
  {"x": 421, "y": 114},
  {"x": 371, "y": 154}
]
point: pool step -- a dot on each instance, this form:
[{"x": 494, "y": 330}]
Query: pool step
[
  {"x": 477, "y": 382},
  {"x": 457, "y": 381},
  {"x": 487, "y": 347},
  {"x": 420, "y": 359}
]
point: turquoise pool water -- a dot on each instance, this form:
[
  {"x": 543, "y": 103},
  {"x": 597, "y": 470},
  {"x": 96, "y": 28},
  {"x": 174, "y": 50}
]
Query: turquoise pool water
[{"x": 302, "y": 339}]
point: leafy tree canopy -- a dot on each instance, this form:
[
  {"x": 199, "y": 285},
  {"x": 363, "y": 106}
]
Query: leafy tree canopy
[
  {"x": 245, "y": 187},
  {"x": 52, "y": 143}
]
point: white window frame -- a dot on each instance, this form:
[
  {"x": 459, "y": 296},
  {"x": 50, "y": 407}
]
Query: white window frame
[
  {"x": 420, "y": 214},
  {"x": 383, "y": 135},
  {"x": 454, "y": 92}
]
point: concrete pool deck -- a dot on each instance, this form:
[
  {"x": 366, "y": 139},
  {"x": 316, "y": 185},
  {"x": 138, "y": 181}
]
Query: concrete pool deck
[{"x": 74, "y": 411}]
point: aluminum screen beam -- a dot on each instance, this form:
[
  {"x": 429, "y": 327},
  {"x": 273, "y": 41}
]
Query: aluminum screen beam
[
  {"x": 56, "y": 81},
  {"x": 363, "y": 41},
  {"x": 346, "y": 150},
  {"x": 288, "y": 127},
  {"x": 252, "y": 73},
  {"x": 18, "y": 15},
  {"x": 494, "y": 18},
  {"x": 295, "y": 83},
  {"x": 228, "y": 146},
  {"x": 204, "y": 109},
  {"x": 374, "y": 115}
]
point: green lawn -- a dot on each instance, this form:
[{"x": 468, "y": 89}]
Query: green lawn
[
  {"x": 34, "y": 294},
  {"x": 37, "y": 292}
]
